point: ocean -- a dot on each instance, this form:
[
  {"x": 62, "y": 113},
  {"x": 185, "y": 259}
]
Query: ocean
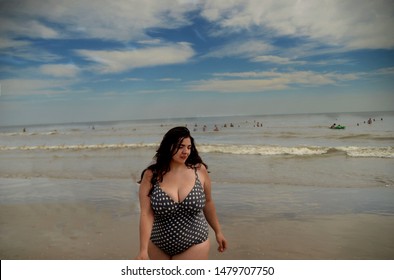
[{"x": 305, "y": 191}]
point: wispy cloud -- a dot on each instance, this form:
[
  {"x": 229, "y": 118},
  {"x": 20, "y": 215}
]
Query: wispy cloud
[
  {"x": 25, "y": 52},
  {"x": 31, "y": 28},
  {"x": 23, "y": 87},
  {"x": 169, "y": 80},
  {"x": 60, "y": 70},
  {"x": 386, "y": 71},
  {"x": 7, "y": 43},
  {"x": 249, "y": 48},
  {"x": 275, "y": 60},
  {"x": 238, "y": 85},
  {"x": 120, "y": 20},
  {"x": 132, "y": 80},
  {"x": 268, "y": 81},
  {"x": 122, "y": 60},
  {"x": 353, "y": 23}
]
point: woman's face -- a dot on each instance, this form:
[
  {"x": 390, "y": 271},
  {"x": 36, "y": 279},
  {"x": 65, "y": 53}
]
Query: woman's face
[{"x": 183, "y": 152}]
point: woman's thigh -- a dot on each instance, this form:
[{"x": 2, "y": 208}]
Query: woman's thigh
[
  {"x": 195, "y": 252},
  {"x": 155, "y": 253}
]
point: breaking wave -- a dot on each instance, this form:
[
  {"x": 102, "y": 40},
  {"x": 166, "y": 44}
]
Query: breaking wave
[
  {"x": 381, "y": 152},
  {"x": 264, "y": 150},
  {"x": 77, "y": 147}
]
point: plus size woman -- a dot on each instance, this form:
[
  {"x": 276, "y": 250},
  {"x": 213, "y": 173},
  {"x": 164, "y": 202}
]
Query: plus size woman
[{"x": 176, "y": 203}]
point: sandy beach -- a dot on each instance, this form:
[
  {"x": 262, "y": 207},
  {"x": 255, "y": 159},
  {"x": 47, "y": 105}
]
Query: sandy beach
[
  {"x": 81, "y": 231},
  {"x": 98, "y": 219}
]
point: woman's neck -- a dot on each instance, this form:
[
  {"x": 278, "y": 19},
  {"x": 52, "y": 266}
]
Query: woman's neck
[{"x": 176, "y": 166}]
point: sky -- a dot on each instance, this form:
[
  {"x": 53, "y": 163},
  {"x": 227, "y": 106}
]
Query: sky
[{"x": 65, "y": 61}]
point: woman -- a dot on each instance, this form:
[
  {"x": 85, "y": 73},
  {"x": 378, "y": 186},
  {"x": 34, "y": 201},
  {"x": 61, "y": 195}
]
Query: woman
[{"x": 176, "y": 202}]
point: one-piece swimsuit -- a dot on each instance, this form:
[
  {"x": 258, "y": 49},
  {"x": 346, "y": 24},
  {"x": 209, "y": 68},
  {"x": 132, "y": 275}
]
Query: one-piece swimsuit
[{"x": 178, "y": 225}]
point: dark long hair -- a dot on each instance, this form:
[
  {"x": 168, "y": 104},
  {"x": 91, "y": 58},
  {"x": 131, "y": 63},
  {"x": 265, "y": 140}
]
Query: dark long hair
[{"x": 169, "y": 146}]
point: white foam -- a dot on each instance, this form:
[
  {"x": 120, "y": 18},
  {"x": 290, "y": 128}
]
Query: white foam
[
  {"x": 77, "y": 147},
  {"x": 264, "y": 150},
  {"x": 380, "y": 152},
  {"x": 261, "y": 150}
]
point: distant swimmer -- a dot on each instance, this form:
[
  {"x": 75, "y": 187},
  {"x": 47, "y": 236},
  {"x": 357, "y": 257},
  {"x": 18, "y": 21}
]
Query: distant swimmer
[
  {"x": 216, "y": 128},
  {"x": 369, "y": 121},
  {"x": 335, "y": 126}
]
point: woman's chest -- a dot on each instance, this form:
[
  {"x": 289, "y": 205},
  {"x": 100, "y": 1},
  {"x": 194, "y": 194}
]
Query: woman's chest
[{"x": 178, "y": 186}]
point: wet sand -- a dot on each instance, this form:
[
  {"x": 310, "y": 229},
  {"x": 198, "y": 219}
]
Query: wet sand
[
  {"x": 77, "y": 229},
  {"x": 64, "y": 231}
]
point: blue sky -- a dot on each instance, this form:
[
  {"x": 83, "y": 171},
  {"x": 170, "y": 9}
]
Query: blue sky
[{"x": 83, "y": 60}]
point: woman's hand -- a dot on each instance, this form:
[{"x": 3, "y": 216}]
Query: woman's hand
[
  {"x": 142, "y": 256},
  {"x": 221, "y": 241}
]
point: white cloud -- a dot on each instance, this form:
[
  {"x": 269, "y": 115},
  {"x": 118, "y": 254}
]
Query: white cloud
[
  {"x": 17, "y": 86},
  {"x": 169, "y": 80},
  {"x": 6, "y": 43},
  {"x": 121, "y": 20},
  {"x": 122, "y": 60},
  {"x": 237, "y": 85},
  {"x": 25, "y": 51},
  {"x": 132, "y": 80},
  {"x": 275, "y": 60},
  {"x": 265, "y": 81},
  {"x": 352, "y": 23},
  {"x": 150, "y": 42},
  {"x": 60, "y": 70},
  {"x": 248, "y": 48},
  {"x": 250, "y": 74},
  {"x": 386, "y": 71},
  {"x": 26, "y": 27}
]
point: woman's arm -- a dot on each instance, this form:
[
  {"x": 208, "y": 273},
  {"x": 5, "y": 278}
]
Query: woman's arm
[
  {"x": 146, "y": 215},
  {"x": 210, "y": 211}
]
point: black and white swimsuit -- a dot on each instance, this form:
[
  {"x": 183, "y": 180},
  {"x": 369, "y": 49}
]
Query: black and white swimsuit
[{"x": 178, "y": 225}]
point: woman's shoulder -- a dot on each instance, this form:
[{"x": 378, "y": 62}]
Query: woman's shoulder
[
  {"x": 201, "y": 169},
  {"x": 147, "y": 175}
]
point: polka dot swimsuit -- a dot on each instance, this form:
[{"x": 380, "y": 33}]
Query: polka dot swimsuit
[{"x": 178, "y": 225}]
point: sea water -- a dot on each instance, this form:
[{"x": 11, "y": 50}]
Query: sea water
[
  {"x": 273, "y": 149},
  {"x": 288, "y": 149},
  {"x": 304, "y": 134}
]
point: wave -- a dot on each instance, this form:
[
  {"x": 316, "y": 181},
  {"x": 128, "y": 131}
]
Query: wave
[
  {"x": 368, "y": 137},
  {"x": 352, "y": 151},
  {"x": 77, "y": 147},
  {"x": 264, "y": 150}
]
